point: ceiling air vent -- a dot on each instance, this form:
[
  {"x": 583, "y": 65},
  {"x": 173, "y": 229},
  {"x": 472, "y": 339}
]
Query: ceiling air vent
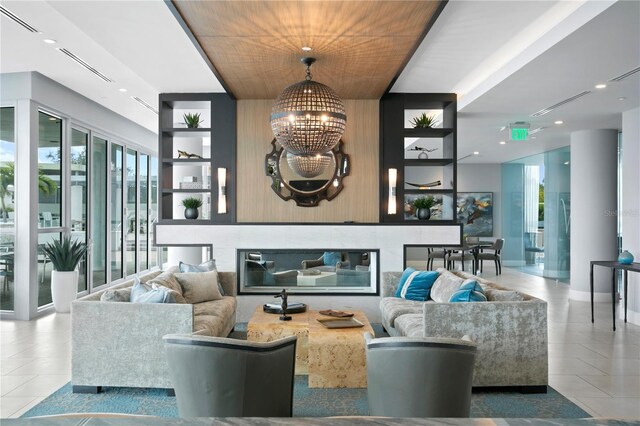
[
  {"x": 17, "y": 20},
  {"x": 144, "y": 104},
  {"x": 85, "y": 65},
  {"x": 566, "y": 101},
  {"x": 625, "y": 75}
]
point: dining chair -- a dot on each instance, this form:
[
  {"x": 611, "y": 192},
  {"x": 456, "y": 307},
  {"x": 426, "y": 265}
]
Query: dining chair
[
  {"x": 461, "y": 254},
  {"x": 492, "y": 253},
  {"x": 435, "y": 253}
]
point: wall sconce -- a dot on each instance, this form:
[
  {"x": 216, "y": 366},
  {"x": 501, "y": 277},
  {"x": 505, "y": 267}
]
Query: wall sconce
[
  {"x": 393, "y": 177},
  {"x": 222, "y": 190}
]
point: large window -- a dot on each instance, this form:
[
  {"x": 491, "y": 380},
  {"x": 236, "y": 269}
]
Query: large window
[
  {"x": 153, "y": 212},
  {"x": 78, "y": 194},
  {"x": 117, "y": 162},
  {"x": 143, "y": 223},
  {"x": 7, "y": 206},
  {"x": 50, "y": 187},
  {"x": 132, "y": 214},
  {"x": 99, "y": 211}
]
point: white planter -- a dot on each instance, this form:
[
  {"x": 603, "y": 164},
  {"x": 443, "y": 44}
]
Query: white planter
[{"x": 64, "y": 288}]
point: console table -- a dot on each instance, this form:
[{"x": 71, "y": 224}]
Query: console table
[{"x": 633, "y": 267}]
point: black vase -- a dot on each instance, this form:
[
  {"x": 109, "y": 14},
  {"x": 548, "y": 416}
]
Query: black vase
[
  {"x": 191, "y": 213},
  {"x": 423, "y": 214}
]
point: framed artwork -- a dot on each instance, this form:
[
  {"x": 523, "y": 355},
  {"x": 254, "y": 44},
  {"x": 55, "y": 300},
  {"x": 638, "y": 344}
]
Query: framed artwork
[{"x": 474, "y": 210}]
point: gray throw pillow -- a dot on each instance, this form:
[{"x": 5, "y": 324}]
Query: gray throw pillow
[
  {"x": 444, "y": 287},
  {"x": 209, "y": 265},
  {"x": 199, "y": 286},
  {"x": 144, "y": 293},
  {"x": 117, "y": 295}
]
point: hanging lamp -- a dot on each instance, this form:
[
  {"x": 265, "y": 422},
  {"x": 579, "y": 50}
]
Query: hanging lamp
[
  {"x": 309, "y": 166},
  {"x": 308, "y": 118}
]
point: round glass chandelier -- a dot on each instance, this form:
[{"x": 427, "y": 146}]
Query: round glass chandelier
[
  {"x": 309, "y": 166},
  {"x": 308, "y": 117}
]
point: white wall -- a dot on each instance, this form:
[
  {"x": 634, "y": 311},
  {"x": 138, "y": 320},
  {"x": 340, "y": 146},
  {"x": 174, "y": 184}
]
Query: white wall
[
  {"x": 64, "y": 101},
  {"x": 631, "y": 204}
]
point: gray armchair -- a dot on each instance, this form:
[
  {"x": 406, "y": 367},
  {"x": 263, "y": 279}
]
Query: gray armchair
[
  {"x": 343, "y": 263},
  {"x": 221, "y": 377},
  {"x": 419, "y": 377}
]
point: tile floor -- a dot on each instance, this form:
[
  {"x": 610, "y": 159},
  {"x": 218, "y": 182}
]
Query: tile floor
[{"x": 595, "y": 367}]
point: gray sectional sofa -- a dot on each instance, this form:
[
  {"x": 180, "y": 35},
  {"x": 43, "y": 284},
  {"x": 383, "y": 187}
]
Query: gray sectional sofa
[
  {"x": 510, "y": 329},
  {"x": 120, "y": 343}
]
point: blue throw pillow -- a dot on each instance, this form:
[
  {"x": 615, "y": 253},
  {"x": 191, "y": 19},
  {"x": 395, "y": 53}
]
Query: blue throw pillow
[
  {"x": 416, "y": 285},
  {"x": 142, "y": 293},
  {"x": 331, "y": 258},
  {"x": 469, "y": 291}
]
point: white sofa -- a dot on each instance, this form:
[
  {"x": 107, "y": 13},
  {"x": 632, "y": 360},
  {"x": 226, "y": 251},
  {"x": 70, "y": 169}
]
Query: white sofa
[
  {"x": 120, "y": 343},
  {"x": 511, "y": 335}
]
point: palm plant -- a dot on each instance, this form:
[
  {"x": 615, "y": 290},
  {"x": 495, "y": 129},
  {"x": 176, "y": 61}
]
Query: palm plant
[
  {"x": 192, "y": 120},
  {"x": 7, "y": 177},
  {"x": 64, "y": 253},
  {"x": 192, "y": 203},
  {"x": 424, "y": 202}
]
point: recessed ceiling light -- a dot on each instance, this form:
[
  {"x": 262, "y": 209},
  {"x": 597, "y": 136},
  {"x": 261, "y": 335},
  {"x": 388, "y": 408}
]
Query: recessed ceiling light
[
  {"x": 558, "y": 122},
  {"x": 306, "y": 48},
  {"x": 622, "y": 98},
  {"x": 122, "y": 90},
  {"x": 476, "y": 153},
  {"x": 503, "y": 143},
  {"x": 600, "y": 86},
  {"x": 533, "y": 137},
  {"x": 49, "y": 41}
]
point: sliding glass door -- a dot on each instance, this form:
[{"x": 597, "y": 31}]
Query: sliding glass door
[
  {"x": 78, "y": 194},
  {"x": 131, "y": 213},
  {"x": 153, "y": 211},
  {"x": 143, "y": 223}
]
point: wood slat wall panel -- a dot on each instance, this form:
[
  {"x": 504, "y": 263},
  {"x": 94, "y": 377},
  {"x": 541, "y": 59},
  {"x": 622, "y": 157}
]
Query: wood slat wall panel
[
  {"x": 256, "y": 45},
  {"x": 358, "y": 201}
]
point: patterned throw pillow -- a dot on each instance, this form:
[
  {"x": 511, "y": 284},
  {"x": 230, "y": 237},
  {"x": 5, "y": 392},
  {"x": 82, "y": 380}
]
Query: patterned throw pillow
[
  {"x": 144, "y": 293},
  {"x": 469, "y": 291},
  {"x": 416, "y": 285},
  {"x": 209, "y": 265},
  {"x": 444, "y": 287},
  {"x": 168, "y": 280},
  {"x": 199, "y": 286}
]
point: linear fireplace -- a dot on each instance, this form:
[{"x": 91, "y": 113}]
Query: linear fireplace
[{"x": 308, "y": 271}]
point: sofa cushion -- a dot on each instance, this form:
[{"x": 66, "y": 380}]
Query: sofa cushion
[
  {"x": 117, "y": 295},
  {"x": 209, "y": 325},
  {"x": 416, "y": 285},
  {"x": 144, "y": 293},
  {"x": 493, "y": 294},
  {"x": 469, "y": 291},
  {"x": 444, "y": 287},
  {"x": 222, "y": 308},
  {"x": 167, "y": 279},
  {"x": 393, "y": 307},
  {"x": 410, "y": 325},
  {"x": 199, "y": 286},
  {"x": 209, "y": 265}
]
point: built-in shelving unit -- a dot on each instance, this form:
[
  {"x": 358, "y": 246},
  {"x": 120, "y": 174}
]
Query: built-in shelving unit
[
  {"x": 214, "y": 144},
  {"x": 402, "y": 146}
]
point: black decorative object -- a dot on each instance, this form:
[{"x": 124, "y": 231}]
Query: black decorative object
[
  {"x": 283, "y": 296},
  {"x": 294, "y": 308}
]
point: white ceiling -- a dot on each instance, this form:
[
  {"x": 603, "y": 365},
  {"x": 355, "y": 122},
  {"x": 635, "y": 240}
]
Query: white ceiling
[{"x": 505, "y": 59}]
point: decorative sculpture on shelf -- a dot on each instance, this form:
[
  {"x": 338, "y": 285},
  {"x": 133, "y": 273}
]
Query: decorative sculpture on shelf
[
  {"x": 423, "y": 152},
  {"x": 283, "y": 296},
  {"x": 185, "y": 154}
]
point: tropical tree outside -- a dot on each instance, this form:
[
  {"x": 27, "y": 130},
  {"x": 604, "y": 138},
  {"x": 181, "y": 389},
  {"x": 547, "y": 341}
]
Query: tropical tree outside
[{"x": 46, "y": 185}]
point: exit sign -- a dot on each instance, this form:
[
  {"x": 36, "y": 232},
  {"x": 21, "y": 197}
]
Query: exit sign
[{"x": 519, "y": 134}]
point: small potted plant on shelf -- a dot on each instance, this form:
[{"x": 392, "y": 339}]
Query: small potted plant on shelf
[
  {"x": 424, "y": 121},
  {"x": 422, "y": 206},
  {"x": 192, "y": 120},
  {"x": 65, "y": 255},
  {"x": 191, "y": 206}
]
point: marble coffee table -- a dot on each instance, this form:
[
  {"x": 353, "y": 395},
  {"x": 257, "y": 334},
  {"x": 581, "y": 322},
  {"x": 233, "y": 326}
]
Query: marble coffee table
[{"x": 333, "y": 358}]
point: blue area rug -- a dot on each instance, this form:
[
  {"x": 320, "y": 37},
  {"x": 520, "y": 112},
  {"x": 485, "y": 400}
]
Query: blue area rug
[{"x": 306, "y": 403}]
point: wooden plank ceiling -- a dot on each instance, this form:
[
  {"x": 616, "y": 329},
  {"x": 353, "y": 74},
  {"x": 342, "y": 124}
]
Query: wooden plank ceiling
[{"x": 256, "y": 45}]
